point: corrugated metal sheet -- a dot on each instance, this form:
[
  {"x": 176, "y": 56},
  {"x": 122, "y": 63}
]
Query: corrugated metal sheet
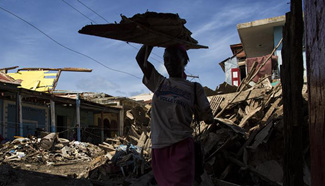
[{"x": 151, "y": 28}]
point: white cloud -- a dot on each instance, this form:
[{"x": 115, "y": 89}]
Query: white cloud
[{"x": 97, "y": 83}]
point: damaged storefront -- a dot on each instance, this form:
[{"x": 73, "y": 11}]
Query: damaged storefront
[{"x": 27, "y": 112}]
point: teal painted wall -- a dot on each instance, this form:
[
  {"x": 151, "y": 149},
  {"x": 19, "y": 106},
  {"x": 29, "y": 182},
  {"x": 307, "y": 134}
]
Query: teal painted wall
[
  {"x": 276, "y": 38},
  {"x": 33, "y": 117},
  {"x": 39, "y": 117}
]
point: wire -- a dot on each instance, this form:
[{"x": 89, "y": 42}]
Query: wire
[
  {"x": 108, "y": 22},
  {"x": 91, "y": 134},
  {"x": 93, "y": 11},
  {"x": 159, "y": 61},
  {"x": 78, "y": 11},
  {"x": 200, "y": 80},
  {"x": 72, "y": 50}
]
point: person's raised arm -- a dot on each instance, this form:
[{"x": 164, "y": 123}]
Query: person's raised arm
[{"x": 142, "y": 59}]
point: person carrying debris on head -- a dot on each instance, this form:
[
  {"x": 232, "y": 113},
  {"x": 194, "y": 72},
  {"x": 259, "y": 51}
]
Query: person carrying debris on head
[{"x": 171, "y": 116}]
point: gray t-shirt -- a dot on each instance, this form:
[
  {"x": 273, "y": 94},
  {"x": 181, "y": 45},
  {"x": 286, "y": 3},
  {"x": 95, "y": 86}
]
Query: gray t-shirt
[{"x": 173, "y": 107}]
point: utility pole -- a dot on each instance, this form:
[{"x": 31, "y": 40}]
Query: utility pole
[
  {"x": 292, "y": 81},
  {"x": 78, "y": 117}
]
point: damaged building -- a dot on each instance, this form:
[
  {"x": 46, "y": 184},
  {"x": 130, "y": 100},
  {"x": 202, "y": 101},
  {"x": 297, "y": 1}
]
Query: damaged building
[
  {"x": 244, "y": 147},
  {"x": 261, "y": 41},
  {"x": 30, "y": 105}
]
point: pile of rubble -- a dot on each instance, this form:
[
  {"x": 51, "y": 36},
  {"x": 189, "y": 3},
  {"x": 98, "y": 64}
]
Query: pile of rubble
[
  {"x": 50, "y": 153},
  {"x": 117, "y": 161},
  {"x": 129, "y": 157},
  {"x": 246, "y": 146}
]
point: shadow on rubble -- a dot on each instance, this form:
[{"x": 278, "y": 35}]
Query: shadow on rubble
[{"x": 11, "y": 176}]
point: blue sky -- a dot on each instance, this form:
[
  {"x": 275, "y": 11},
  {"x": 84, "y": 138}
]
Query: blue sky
[{"x": 212, "y": 22}]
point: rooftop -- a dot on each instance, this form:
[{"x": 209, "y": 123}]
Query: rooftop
[{"x": 257, "y": 36}]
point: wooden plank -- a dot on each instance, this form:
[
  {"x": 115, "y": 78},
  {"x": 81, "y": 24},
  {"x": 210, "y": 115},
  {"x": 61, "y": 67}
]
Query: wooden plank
[
  {"x": 248, "y": 116},
  {"x": 142, "y": 140},
  {"x": 237, "y": 97},
  {"x": 107, "y": 148},
  {"x": 134, "y": 132},
  {"x": 225, "y": 183},
  {"x": 147, "y": 145},
  {"x": 71, "y": 69},
  {"x": 274, "y": 106}
]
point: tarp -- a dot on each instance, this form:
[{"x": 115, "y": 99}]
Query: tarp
[{"x": 266, "y": 69}]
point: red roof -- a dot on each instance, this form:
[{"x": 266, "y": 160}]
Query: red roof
[
  {"x": 7, "y": 79},
  {"x": 237, "y": 49}
]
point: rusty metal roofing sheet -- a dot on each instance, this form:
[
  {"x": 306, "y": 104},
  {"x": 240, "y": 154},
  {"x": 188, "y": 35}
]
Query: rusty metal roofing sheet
[
  {"x": 7, "y": 79},
  {"x": 151, "y": 28},
  {"x": 237, "y": 49}
]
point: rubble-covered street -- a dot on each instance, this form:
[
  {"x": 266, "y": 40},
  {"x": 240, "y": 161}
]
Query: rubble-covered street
[{"x": 245, "y": 147}]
